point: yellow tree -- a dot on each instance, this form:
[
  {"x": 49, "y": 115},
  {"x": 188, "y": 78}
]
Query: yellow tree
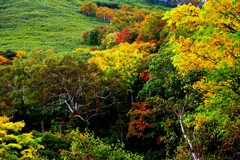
[
  {"x": 124, "y": 58},
  {"x": 214, "y": 35},
  {"x": 208, "y": 39},
  {"x": 214, "y": 39},
  {"x": 14, "y": 145},
  {"x": 89, "y": 8}
]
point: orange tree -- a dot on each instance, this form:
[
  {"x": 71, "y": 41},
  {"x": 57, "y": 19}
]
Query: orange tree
[
  {"x": 105, "y": 14},
  {"x": 89, "y": 8},
  {"x": 7, "y": 56}
]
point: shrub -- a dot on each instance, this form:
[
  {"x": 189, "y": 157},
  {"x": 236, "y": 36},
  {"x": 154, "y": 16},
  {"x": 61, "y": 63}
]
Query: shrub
[
  {"x": 15, "y": 145},
  {"x": 93, "y": 48},
  {"x": 91, "y": 37},
  {"x": 97, "y": 35},
  {"x": 84, "y": 146},
  {"x": 89, "y": 8},
  {"x": 4, "y": 60},
  {"x": 9, "y": 54},
  {"x": 53, "y": 144},
  {"x": 127, "y": 35},
  {"x": 109, "y": 41},
  {"x": 105, "y": 14}
]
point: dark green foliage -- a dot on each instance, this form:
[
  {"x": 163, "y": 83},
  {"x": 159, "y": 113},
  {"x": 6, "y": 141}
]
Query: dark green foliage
[
  {"x": 164, "y": 92},
  {"x": 91, "y": 37},
  {"x": 97, "y": 35},
  {"x": 9, "y": 54},
  {"x": 53, "y": 144},
  {"x": 109, "y": 5}
]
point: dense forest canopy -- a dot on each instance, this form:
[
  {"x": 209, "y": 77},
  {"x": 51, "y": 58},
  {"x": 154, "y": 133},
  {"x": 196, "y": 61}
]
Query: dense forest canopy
[{"x": 120, "y": 80}]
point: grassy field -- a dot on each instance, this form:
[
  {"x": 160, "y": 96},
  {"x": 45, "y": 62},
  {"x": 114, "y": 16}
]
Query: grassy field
[{"x": 46, "y": 24}]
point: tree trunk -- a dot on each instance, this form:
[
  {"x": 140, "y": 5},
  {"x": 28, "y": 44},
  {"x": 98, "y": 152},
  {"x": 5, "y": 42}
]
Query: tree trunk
[
  {"x": 42, "y": 125},
  {"x": 188, "y": 140}
]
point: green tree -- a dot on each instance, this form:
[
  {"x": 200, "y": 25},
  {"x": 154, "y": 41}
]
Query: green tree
[
  {"x": 151, "y": 27},
  {"x": 165, "y": 99},
  {"x": 68, "y": 80},
  {"x": 85, "y": 146}
]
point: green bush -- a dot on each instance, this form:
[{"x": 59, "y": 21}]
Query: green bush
[
  {"x": 85, "y": 146},
  {"x": 109, "y": 40},
  {"x": 97, "y": 35},
  {"x": 53, "y": 144},
  {"x": 91, "y": 37}
]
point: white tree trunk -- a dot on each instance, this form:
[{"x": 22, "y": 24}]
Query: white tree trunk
[
  {"x": 188, "y": 140},
  {"x": 42, "y": 125}
]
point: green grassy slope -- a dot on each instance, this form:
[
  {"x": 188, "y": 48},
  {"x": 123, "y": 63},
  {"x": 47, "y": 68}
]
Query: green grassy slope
[{"x": 45, "y": 24}]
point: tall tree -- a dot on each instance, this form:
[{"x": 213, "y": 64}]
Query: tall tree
[
  {"x": 212, "y": 45},
  {"x": 60, "y": 80}
]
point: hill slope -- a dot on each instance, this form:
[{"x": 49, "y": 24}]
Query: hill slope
[{"x": 45, "y": 24}]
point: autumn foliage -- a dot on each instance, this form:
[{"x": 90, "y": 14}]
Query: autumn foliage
[
  {"x": 14, "y": 145},
  {"x": 7, "y": 56},
  {"x": 140, "y": 114},
  {"x": 4, "y": 60},
  {"x": 166, "y": 83},
  {"x": 89, "y": 8},
  {"x": 105, "y": 14},
  {"x": 126, "y": 35}
]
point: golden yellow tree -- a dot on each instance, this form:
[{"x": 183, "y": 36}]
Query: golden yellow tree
[
  {"x": 207, "y": 40},
  {"x": 13, "y": 143},
  {"x": 89, "y": 8},
  {"x": 124, "y": 58},
  {"x": 214, "y": 35},
  {"x": 213, "y": 41}
]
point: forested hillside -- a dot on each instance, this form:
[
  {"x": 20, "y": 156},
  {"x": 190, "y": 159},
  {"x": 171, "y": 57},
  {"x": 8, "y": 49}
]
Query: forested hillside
[{"x": 97, "y": 80}]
